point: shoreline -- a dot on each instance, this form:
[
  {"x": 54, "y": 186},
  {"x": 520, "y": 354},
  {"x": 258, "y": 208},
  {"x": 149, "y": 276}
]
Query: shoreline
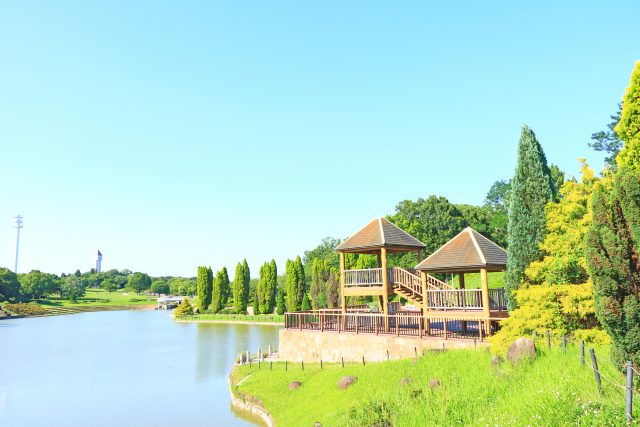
[
  {"x": 83, "y": 309},
  {"x": 243, "y": 405},
  {"x": 238, "y": 322}
]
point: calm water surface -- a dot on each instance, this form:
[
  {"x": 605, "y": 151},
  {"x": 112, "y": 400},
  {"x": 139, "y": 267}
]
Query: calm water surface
[{"x": 121, "y": 368}]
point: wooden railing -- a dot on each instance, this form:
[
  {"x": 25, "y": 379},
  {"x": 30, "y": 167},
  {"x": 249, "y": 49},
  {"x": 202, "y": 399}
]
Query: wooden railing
[
  {"x": 411, "y": 325},
  {"x": 366, "y": 277},
  {"x": 455, "y": 299},
  {"x": 497, "y": 299},
  {"x": 433, "y": 283},
  {"x": 404, "y": 278}
]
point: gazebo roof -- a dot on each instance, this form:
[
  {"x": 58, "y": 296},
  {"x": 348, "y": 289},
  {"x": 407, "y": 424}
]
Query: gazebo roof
[
  {"x": 467, "y": 252},
  {"x": 380, "y": 233}
]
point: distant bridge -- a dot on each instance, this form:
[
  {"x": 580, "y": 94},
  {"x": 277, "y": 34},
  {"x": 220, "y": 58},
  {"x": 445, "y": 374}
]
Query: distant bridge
[{"x": 167, "y": 303}]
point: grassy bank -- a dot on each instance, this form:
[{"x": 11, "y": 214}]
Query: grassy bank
[
  {"x": 555, "y": 390},
  {"x": 258, "y": 318},
  {"x": 94, "y": 300}
]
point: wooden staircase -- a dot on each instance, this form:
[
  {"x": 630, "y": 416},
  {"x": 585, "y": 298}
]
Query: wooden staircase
[{"x": 408, "y": 284}]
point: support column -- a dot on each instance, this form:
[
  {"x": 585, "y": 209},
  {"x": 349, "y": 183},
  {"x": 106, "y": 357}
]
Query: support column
[
  {"x": 425, "y": 303},
  {"x": 343, "y": 298},
  {"x": 385, "y": 286},
  {"x": 464, "y": 300},
  {"x": 486, "y": 309}
]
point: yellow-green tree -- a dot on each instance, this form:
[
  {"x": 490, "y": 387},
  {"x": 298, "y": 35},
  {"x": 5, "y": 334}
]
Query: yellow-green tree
[
  {"x": 567, "y": 223},
  {"x": 629, "y": 126}
]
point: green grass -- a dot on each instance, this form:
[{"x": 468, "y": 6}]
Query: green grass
[
  {"x": 97, "y": 299},
  {"x": 555, "y": 390},
  {"x": 264, "y": 318},
  {"x": 472, "y": 280}
]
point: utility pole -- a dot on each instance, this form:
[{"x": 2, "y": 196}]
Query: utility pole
[{"x": 17, "y": 224}]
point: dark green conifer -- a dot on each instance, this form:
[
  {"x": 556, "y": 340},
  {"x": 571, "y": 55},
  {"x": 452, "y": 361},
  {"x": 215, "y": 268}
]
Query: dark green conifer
[{"x": 531, "y": 190}]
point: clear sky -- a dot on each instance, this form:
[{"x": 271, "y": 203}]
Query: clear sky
[{"x": 172, "y": 134}]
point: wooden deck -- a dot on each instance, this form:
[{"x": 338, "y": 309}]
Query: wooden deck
[{"x": 401, "y": 324}]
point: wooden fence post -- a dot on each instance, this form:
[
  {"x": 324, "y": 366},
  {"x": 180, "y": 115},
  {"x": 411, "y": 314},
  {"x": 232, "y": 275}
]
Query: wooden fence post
[
  {"x": 342, "y": 357},
  {"x": 362, "y": 360},
  {"x": 286, "y": 365},
  {"x": 548, "y": 339},
  {"x": 582, "y": 352},
  {"x": 629, "y": 400},
  {"x": 302, "y": 362},
  {"x": 596, "y": 372},
  {"x": 320, "y": 363}
]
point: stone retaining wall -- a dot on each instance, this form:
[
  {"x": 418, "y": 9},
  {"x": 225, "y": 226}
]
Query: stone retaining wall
[{"x": 313, "y": 346}]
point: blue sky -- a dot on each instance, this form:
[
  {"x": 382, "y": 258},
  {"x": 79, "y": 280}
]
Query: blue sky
[{"x": 174, "y": 134}]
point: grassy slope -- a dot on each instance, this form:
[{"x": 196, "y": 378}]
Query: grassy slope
[
  {"x": 554, "y": 391},
  {"x": 96, "y": 300},
  {"x": 98, "y": 297}
]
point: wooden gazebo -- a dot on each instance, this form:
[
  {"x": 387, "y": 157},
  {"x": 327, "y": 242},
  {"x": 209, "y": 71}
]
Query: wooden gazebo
[
  {"x": 380, "y": 237},
  {"x": 468, "y": 252},
  {"x": 439, "y": 309}
]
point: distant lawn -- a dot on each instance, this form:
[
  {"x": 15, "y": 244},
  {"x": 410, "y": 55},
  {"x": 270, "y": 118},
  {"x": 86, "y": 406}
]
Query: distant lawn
[
  {"x": 96, "y": 297},
  {"x": 262, "y": 318},
  {"x": 472, "y": 280},
  {"x": 555, "y": 390}
]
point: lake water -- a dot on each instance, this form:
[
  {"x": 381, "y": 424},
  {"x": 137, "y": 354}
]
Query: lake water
[{"x": 121, "y": 368}]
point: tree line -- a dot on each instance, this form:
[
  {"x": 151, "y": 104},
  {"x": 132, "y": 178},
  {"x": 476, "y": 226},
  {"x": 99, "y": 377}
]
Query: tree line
[{"x": 36, "y": 284}]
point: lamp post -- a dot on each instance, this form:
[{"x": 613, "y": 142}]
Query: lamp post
[{"x": 17, "y": 224}]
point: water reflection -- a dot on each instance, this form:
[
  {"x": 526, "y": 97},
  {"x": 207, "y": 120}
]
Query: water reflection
[{"x": 76, "y": 366}]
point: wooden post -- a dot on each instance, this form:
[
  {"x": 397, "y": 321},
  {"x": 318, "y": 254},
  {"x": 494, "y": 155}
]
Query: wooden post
[
  {"x": 548, "y": 339},
  {"x": 629, "y": 401},
  {"x": 486, "y": 309},
  {"x": 385, "y": 287},
  {"x": 343, "y": 298},
  {"x": 461, "y": 280},
  {"x": 596, "y": 371},
  {"x": 425, "y": 302},
  {"x": 582, "y": 352}
]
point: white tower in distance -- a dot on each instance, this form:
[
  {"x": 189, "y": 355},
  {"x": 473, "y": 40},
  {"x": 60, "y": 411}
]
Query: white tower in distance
[
  {"x": 17, "y": 224},
  {"x": 99, "y": 262}
]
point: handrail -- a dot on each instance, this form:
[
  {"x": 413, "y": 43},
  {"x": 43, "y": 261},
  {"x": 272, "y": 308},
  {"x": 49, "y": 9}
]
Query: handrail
[
  {"x": 410, "y": 281},
  {"x": 454, "y": 299},
  {"x": 363, "y": 277}
]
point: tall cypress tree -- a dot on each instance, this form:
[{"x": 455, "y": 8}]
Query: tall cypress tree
[
  {"x": 225, "y": 287},
  {"x": 272, "y": 285},
  {"x": 261, "y": 290},
  {"x": 204, "y": 283},
  {"x": 629, "y": 126},
  {"x": 239, "y": 301},
  {"x": 531, "y": 190},
  {"x": 201, "y": 283},
  {"x": 613, "y": 254},
  {"x": 301, "y": 286},
  {"x": 246, "y": 282},
  {"x": 280, "y": 308},
  {"x": 291, "y": 283},
  {"x": 218, "y": 291}
]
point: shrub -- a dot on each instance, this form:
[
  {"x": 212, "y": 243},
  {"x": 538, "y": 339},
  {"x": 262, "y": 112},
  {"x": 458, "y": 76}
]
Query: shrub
[
  {"x": 184, "y": 309},
  {"x": 227, "y": 310},
  {"x": 561, "y": 309},
  {"x": 25, "y": 309}
]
